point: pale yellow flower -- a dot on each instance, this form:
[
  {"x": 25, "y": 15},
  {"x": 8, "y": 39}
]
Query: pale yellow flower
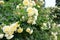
[
  {"x": 1, "y": 2},
  {"x": 31, "y": 4},
  {"x": 6, "y": 29},
  {"x": 31, "y": 31},
  {"x": 20, "y": 30},
  {"x": 28, "y": 30},
  {"x": 14, "y": 26},
  {"x": 25, "y": 2},
  {"x": 10, "y": 29},
  {"x": 30, "y": 11}
]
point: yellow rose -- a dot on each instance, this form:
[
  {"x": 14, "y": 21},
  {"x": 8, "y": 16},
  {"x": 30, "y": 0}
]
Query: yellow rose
[
  {"x": 1, "y": 2},
  {"x": 14, "y": 26},
  {"x": 31, "y": 4},
  {"x": 28, "y": 30},
  {"x": 6, "y": 29},
  {"x": 30, "y": 9},
  {"x": 26, "y": 2},
  {"x": 20, "y": 30}
]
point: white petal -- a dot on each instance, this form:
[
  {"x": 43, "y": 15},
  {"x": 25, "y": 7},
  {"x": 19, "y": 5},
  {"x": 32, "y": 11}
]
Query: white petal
[
  {"x": 35, "y": 17},
  {"x": 31, "y": 31},
  {"x": 1, "y": 35},
  {"x": 33, "y": 22},
  {"x": 33, "y": 3},
  {"x": 36, "y": 11},
  {"x": 9, "y": 36},
  {"x": 17, "y": 6}
]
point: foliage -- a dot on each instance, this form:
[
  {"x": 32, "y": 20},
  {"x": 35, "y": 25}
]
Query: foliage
[{"x": 10, "y": 13}]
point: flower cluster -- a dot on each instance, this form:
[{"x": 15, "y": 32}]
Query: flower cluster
[
  {"x": 29, "y": 3},
  {"x": 9, "y": 30},
  {"x": 31, "y": 10}
]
